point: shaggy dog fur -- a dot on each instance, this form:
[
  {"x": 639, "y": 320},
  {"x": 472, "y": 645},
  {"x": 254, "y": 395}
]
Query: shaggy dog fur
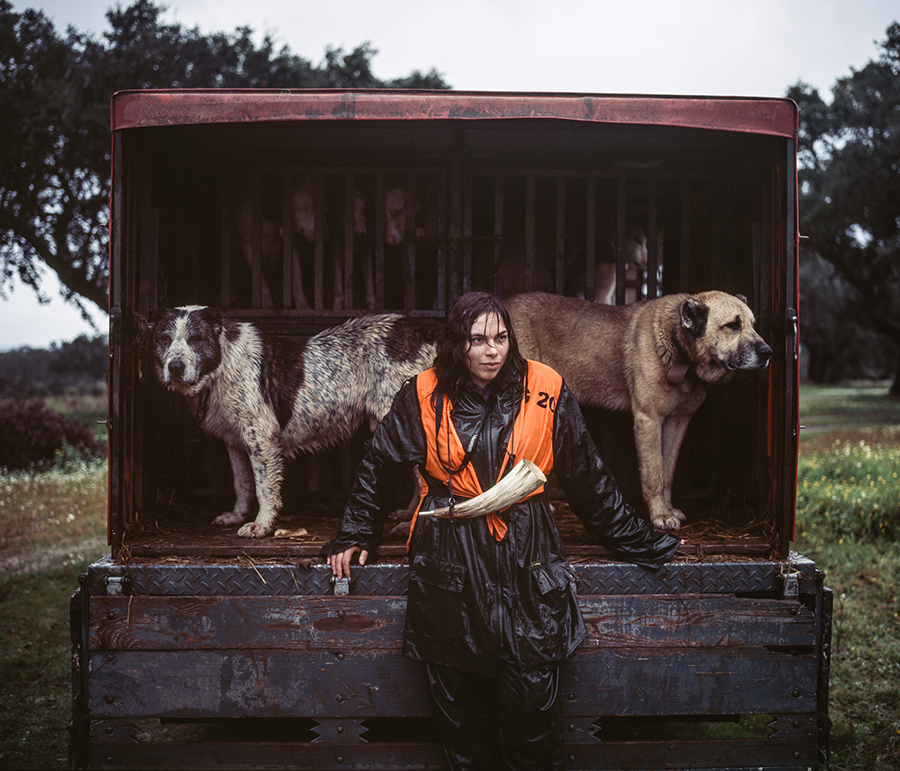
[{"x": 269, "y": 398}]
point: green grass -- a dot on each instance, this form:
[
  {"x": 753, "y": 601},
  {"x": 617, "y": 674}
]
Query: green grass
[
  {"x": 848, "y": 522},
  {"x": 53, "y": 526},
  {"x": 35, "y": 675},
  {"x": 851, "y": 440}
]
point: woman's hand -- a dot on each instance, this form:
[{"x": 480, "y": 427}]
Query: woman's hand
[{"x": 340, "y": 563}]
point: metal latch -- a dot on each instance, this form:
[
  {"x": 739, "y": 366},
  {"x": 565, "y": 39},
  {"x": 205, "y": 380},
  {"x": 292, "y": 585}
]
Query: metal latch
[
  {"x": 115, "y": 586},
  {"x": 341, "y": 585},
  {"x": 791, "y": 587}
]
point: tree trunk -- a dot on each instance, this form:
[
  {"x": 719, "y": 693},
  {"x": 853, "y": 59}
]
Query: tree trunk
[{"x": 895, "y": 386}]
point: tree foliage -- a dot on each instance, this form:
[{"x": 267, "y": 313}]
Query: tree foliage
[
  {"x": 80, "y": 364},
  {"x": 849, "y": 152},
  {"x": 54, "y": 120}
]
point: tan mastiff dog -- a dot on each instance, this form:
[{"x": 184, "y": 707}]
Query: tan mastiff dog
[{"x": 655, "y": 358}]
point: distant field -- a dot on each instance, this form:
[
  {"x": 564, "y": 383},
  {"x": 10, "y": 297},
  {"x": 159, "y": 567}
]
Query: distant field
[{"x": 826, "y": 408}]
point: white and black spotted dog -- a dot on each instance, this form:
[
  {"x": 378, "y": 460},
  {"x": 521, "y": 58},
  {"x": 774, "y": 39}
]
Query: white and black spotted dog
[{"x": 269, "y": 398}]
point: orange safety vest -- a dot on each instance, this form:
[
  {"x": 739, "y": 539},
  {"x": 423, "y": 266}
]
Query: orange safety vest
[{"x": 531, "y": 437}]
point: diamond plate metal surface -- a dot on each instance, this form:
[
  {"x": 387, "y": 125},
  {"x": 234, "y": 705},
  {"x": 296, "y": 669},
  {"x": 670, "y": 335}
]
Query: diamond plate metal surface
[{"x": 392, "y": 580}]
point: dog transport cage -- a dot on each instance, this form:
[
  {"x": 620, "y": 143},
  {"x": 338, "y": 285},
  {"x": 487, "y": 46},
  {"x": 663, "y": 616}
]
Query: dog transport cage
[{"x": 298, "y": 210}]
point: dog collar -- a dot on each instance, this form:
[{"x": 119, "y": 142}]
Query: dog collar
[{"x": 677, "y": 373}]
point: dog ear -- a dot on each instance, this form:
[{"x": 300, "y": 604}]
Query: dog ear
[
  {"x": 694, "y": 315},
  {"x": 742, "y": 299},
  {"x": 215, "y": 318},
  {"x": 145, "y": 326}
]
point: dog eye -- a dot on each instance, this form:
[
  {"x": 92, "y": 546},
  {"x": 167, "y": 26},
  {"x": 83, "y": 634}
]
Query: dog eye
[
  {"x": 734, "y": 326},
  {"x": 165, "y": 339}
]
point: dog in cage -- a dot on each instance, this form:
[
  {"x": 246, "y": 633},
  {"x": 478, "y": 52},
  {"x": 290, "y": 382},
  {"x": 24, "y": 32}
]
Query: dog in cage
[
  {"x": 656, "y": 358},
  {"x": 269, "y": 398},
  {"x": 636, "y": 264},
  {"x": 258, "y": 221}
]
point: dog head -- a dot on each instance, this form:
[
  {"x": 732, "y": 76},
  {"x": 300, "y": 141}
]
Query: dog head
[
  {"x": 185, "y": 346},
  {"x": 719, "y": 337}
]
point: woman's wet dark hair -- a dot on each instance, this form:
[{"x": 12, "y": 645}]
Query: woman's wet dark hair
[{"x": 449, "y": 364}]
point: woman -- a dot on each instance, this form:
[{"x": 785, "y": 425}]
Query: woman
[{"x": 491, "y": 607}]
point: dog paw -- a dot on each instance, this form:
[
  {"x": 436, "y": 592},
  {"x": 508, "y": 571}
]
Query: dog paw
[
  {"x": 253, "y": 530},
  {"x": 401, "y": 515},
  {"x": 229, "y": 518},
  {"x": 668, "y": 520},
  {"x": 401, "y": 530}
]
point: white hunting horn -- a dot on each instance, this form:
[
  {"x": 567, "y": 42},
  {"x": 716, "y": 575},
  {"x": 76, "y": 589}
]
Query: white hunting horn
[{"x": 523, "y": 480}]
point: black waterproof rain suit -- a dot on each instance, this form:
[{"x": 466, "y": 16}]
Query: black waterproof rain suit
[
  {"x": 469, "y": 595},
  {"x": 474, "y": 601}
]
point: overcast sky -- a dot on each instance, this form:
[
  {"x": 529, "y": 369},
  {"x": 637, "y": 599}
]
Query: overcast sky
[{"x": 712, "y": 47}]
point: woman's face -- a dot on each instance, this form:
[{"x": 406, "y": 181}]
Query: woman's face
[{"x": 488, "y": 348}]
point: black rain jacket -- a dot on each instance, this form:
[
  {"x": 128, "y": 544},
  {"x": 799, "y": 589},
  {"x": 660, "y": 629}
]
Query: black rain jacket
[{"x": 471, "y": 598}]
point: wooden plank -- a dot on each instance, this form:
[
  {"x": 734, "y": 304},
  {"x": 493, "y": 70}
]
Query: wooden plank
[
  {"x": 281, "y": 683},
  {"x": 271, "y": 684},
  {"x": 372, "y": 623},
  {"x": 726, "y": 755},
  {"x": 236, "y": 756},
  {"x": 304, "y": 623},
  {"x": 666, "y": 621},
  {"x": 688, "y": 681},
  {"x": 730, "y": 755}
]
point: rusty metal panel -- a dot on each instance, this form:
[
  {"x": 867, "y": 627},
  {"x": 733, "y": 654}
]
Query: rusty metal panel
[{"x": 135, "y": 109}]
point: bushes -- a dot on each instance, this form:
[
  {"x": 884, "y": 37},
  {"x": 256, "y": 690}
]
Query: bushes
[{"x": 31, "y": 436}]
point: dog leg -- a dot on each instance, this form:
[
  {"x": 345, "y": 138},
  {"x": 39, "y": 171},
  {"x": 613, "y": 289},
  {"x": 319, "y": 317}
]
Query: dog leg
[
  {"x": 268, "y": 467},
  {"x": 404, "y": 516},
  {"x": 242, "y": 477},
  {"x": 673, "y": 431},
  {"x": 648, "y": 439}
]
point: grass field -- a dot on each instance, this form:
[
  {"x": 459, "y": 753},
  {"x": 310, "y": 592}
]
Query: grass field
[
  {"x": 53, "y": 527},
  {"x": 848, "y": 522}
]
